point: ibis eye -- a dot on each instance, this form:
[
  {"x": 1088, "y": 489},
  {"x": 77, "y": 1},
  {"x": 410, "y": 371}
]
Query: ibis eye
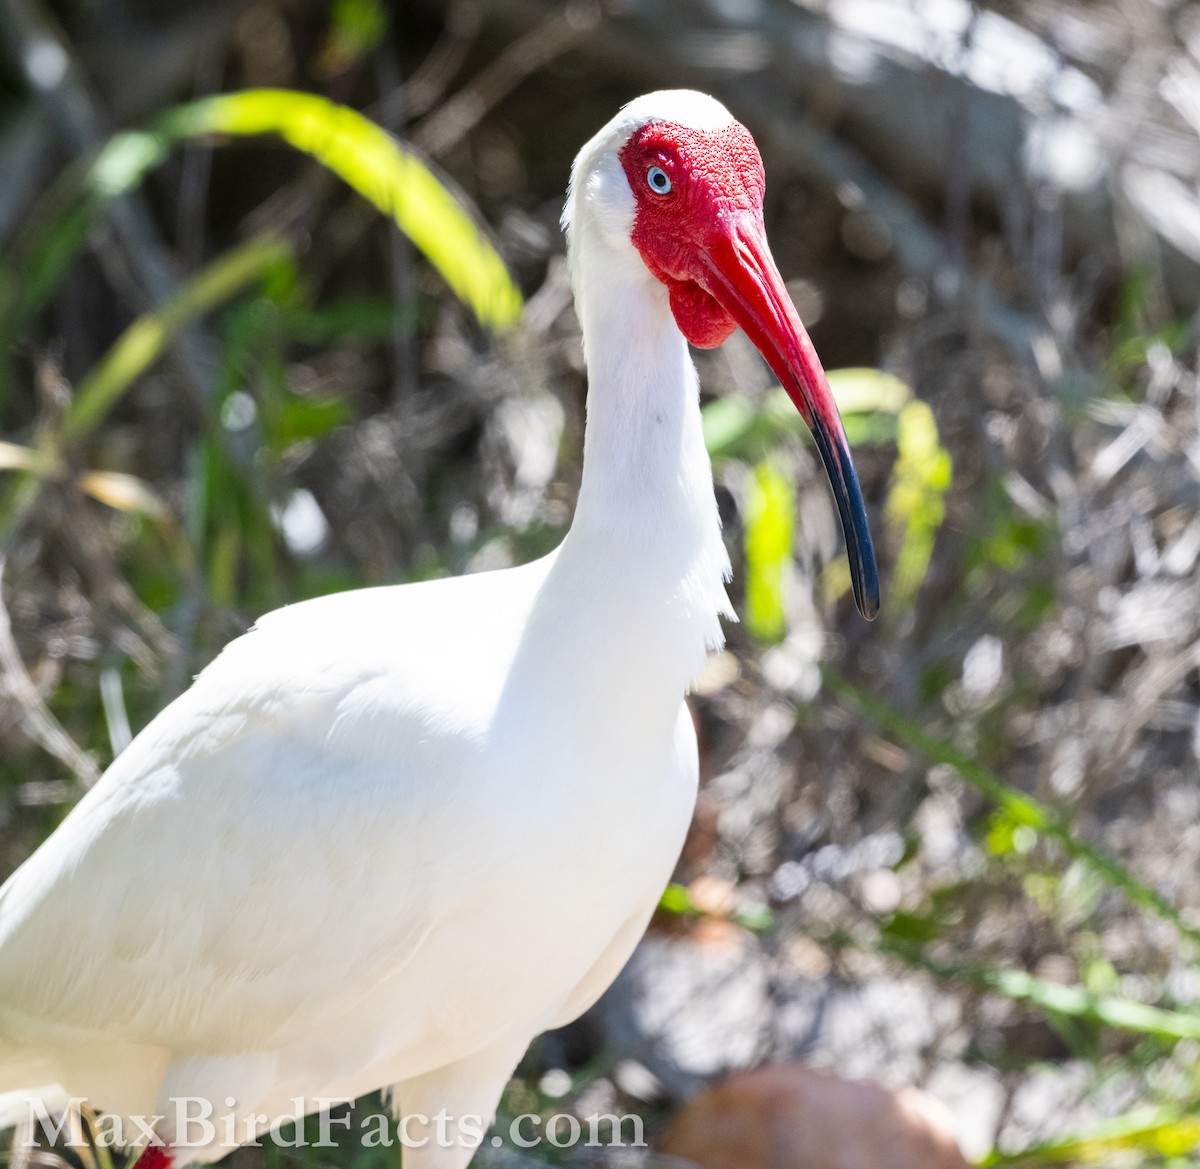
[{"x": 659, "y": 180}]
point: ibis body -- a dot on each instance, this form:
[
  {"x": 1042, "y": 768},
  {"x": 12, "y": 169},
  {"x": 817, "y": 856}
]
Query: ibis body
[{"x": 391, "y": 835}]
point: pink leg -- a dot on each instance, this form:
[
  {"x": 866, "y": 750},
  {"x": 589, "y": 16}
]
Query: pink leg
[{"x": 155, "y": 1157}]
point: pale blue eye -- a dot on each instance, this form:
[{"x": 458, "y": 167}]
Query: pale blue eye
[{"x": 659, "y": 180}]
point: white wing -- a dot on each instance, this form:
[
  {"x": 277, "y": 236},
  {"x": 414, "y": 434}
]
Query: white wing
[{"x": 281, "y": 838}]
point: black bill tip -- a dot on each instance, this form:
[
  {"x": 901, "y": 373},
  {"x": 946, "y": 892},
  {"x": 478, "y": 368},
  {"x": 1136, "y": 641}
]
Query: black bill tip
[{"x": 864, "y": 572}]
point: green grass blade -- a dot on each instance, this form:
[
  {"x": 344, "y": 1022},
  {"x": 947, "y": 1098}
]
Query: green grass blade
[
  {"x": 916, "y": 502},
  {"x": 144, "y": 341},
  {"x": 677, "y": 900},
  {"x": 769, "y": 531},
  {"x": 875, "y": 407},
  {"x": 736, "y": 428},
  {"x": 353, "y": 147},
  {"x": 385, "y": 173},
  {"x": 1021, "y": 808},
  {"x": 862, "y": 390},
  {"x": 1055, "y": 998},
  {"x": 1166, "y": 1132}
]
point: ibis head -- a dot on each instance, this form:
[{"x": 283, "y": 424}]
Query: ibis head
[{"x": 683, "y": 182}]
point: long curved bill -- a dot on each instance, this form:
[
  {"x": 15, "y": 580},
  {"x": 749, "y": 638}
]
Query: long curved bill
[{"x": 740, "y": 274}]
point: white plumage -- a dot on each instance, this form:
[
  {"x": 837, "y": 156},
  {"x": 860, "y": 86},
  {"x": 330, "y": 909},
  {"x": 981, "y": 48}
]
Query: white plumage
[{"x": 391, "y": 835}]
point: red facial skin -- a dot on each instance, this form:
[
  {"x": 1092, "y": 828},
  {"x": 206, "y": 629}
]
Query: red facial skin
[
  {"x": 705, "y": 240},
  {"x": 715, "y": 176}
]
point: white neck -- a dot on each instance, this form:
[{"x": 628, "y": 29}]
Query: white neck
[
  {"x": 646, "y": 504},
  {"x": 634, "y": 595}
]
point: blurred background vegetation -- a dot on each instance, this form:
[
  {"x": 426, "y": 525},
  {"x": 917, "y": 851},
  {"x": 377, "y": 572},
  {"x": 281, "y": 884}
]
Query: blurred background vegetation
[{"x": 252, "y": 349}]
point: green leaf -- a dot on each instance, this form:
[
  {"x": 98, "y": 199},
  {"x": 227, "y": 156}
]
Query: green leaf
[
  {"x": 388, "y": 175},
  {"x": 867, "y": 391},
  {"x": 676, "y": 899},
  {"x": 299, "y": 418},
  {"x": 125, "y": 160},
  {"x": 869, "y": 401},
  {"x": 1168, "y": 1132},
  {"x": 144, "y": 341},
  {"x": 1007, "y": 834},
  {"x": 350, "y": 319},
  {"x": 916, "y": 500},
  {"x": 355, "y": 28},
  {"x": 769, "y": 532},
  {"x": 869, "y": 429},
  {"x": 1017, "y": 807},
  {"x": 734, "y": 428},
  {"x": 912, "y": 927},
  {"x": 1074, "y": 1002},
  {"x": 875, "y": 407},
  {"x": 755, "y": 918}
]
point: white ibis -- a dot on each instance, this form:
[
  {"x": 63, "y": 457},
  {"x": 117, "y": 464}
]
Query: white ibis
[{"x": 391, "y": 835}]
